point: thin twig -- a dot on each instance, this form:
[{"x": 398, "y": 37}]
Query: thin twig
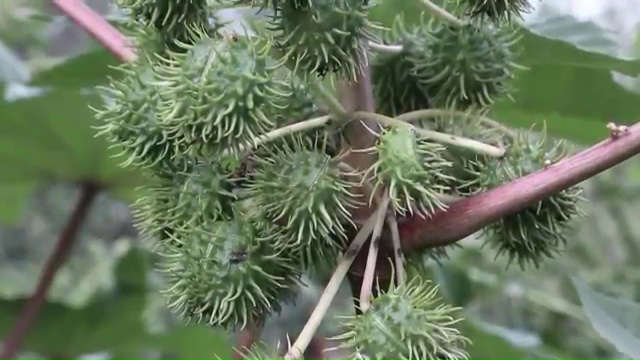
[
  {"x": 284, "y": 131},
  {"x": 463, "y": 218},
  {"x": 63, "y": 247},
  {"x": 398, "y": 255},
  {"x": 366, "y": 290},
  {"x": 300, "y": 345},
  {"x": 442, "y": 13},
  {"x": 385, "y": 48},
  {"x": 470, "y": 144},
  {"x": 417, "y": 115}
]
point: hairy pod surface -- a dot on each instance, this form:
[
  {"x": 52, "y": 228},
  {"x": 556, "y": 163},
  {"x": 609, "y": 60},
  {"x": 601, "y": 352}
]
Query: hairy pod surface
[
  {"x": 539, "y": 231},
  {"x": 462, "y": 176},
  {"x": 323, "y": 36},
  {"x": 397, "y": 87},
  {"x": 187, "y": 200},
  {"x": 409, "y": 321},
  {"x": 307, "y": 192},
  {"x": 468, "y": 66},
  {"x": 229, "y": 273},
  {"x": 496, "y": 10},
  {"x": 221, "y": 94},
  {"x": 411, "y": 169},
  {"x": 175, "y": 20},
  {"x": 130, "y": 120}
]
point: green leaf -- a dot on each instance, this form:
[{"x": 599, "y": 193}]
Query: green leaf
[
  {"x": 50, "y": 136},
  {"x": 83, "y": 71},
  {"x": 194, "y": 342},
  {"x": 616, "y": 320},
  {"x": 110, "y": 321},
  {"x": 486, "y": 344},
  {"x": 454, "y": 282}
]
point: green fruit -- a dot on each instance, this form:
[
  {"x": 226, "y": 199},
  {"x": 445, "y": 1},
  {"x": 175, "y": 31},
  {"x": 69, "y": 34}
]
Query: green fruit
[
  {"x": 130, "y": 120},
  {"x": 322, "y": 36},
  {"x": 220, "y": 95},
  {"x": 185, "y": 201},
  {"x": 229, "y": 274},
  {"x": 539, "y": 231},
  {"x": 306, "y": 192},
  {"x": 497, "y": 10},
  {"x": 397, "y": 87},
  {"x": 409, "y": 321},
  {"x": 411, "y": 169},
  {"x": 467, "y": 67}
]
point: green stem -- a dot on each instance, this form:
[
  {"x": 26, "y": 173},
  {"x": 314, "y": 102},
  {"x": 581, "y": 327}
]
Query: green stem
[
  {"x": 366, "y": 291},
  {"x": 385, "y": 48},
  {"x": 442, "y": 13},
  {"x": 470, "y": 144},
  {"x": 434, "y": 113},
  {"x": 285, "y": 131},
  {"x": 296, "y": 350}
]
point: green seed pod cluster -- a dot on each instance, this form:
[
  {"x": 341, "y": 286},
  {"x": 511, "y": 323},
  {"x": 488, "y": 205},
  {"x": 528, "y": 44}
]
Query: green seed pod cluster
[
  {"x": 411, "y": 169},
  {"x": 229, "y": 274},
  {"x": 409, "y": 321},
  {"x": 186, "y": 200},
  {"x": 222, "y": 95},
  {"x": 539, "y": 231},
  {"x": 309, "y": 194},
  {"x": 397, "y": 87},
  {"x": 175, "y": 20},
  {"x": 496, "y": 10},
  {"x": 323, "y": 36},
  {"x": 467, "y": 66},
  {"x": 130, "y": 120}
]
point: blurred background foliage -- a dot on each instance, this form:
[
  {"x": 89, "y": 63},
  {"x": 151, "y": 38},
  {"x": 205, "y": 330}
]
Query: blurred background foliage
[{"x": 584, "y": 61}]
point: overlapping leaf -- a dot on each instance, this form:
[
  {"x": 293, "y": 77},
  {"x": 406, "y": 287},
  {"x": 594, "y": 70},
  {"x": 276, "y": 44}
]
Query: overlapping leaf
[{"x": 49, "y": 135}]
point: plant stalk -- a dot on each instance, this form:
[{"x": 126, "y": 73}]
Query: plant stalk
[
  {"x": 464, "y": 217},
  {"x": 63, "y": 247}
]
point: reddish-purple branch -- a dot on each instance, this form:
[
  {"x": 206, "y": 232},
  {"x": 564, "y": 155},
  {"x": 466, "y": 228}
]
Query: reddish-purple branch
[
  {"x": 60, "y": 253},
  {"x": 96, "y": 25},
  {"x": 467, "y": 216}
]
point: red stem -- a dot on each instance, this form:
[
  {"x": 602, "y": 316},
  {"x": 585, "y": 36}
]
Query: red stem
[
  {"x": 467, "y": 216},
  {"x": 98, "y": 27},
  {"x": 60, "y": 253}
]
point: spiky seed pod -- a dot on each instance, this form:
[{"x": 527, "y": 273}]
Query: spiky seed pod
[
  {"x": 396, "y": 86},
  {"x": 323, "y": 36},
  {"x": 221, "y": 94},
  {"x": 409, "y": 321},
  {"x": 462, "y": 178},
  {"x": 308, "y": 193},
  {"x": 129, "y": 119},
  {"x": 184, "y": 201},
  {"x": 497, "y": 10},
  {"x": 468, "y": 67},
  {"x": 539, "y": 231},
  {"x": 169, "y": 17},
  {"x": 229, "y": 274},
  {"x": 411, "y": 169}
]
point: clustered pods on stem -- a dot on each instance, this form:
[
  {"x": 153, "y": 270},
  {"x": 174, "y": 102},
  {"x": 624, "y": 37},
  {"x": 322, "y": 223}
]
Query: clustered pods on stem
[{"x": 243, "y": 143}]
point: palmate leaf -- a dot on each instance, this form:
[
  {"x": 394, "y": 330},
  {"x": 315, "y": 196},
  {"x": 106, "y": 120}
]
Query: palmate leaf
[
  {"x": 616, "y": 320},
  {"x": 569, "y": 84},
  {"x": 49, "y": 136}
]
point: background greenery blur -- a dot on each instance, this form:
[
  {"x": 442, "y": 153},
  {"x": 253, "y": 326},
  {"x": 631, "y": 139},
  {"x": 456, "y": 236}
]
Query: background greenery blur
[{"x": 584, "y": 71}]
